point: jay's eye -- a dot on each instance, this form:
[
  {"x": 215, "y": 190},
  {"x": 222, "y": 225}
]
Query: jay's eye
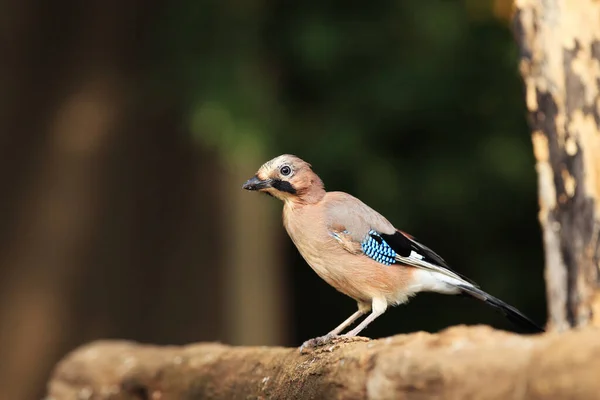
[{"x": 285, "y": 170}]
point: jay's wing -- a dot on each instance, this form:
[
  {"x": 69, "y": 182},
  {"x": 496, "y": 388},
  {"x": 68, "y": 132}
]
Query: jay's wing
[
  {"x": 410, "y": 252},
  {"x": 396, "y": 249},
  {"x": 361, "y": 230}
]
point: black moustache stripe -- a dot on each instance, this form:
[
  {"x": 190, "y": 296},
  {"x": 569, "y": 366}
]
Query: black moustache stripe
[{"x": 283, "y": 186}]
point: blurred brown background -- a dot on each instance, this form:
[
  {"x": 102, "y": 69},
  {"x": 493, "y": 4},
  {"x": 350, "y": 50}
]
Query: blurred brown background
[{"x": 127, "y": 129}]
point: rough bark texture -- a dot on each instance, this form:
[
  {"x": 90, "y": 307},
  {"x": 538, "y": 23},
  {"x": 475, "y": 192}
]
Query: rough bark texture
[
  {"x": 458, "y": 363},
  {"x": 560, "y": 63}
]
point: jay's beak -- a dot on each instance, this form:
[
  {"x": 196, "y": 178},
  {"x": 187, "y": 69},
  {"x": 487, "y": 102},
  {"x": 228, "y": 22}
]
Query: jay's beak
[{"x": 255, "y": 183}]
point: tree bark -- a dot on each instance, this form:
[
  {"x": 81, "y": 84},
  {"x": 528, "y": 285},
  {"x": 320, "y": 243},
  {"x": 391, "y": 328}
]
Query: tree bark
[
  {"x": 458, "y": 363},
  {"x": 560, "y": 62}
]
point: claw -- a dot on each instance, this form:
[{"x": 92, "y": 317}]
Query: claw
[
  {"x": 330, "y": 339},
  {"x": 317, "y": 342}
]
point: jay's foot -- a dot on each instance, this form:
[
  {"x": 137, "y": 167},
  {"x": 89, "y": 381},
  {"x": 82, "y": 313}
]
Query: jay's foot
[
  {"x": 317, "y": 342},
  {"x": 330, "y": 339}
]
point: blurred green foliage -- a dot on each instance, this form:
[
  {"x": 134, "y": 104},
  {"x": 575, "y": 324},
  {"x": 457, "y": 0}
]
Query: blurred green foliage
[{"x": 414, "y": 106}]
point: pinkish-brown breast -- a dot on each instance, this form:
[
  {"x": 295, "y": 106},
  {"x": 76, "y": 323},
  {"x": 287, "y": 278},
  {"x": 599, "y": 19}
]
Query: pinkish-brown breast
[{"x": 353, "y": 274}]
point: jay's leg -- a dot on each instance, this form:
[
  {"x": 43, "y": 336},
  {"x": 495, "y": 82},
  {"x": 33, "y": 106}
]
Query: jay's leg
[
  {"x": 378, "y": 307},
  {"x": 363, "y": 308},
  {"x": 346, "y": 323}
]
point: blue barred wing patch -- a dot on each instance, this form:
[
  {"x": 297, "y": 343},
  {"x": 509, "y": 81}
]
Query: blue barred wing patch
[{"x": 376, "y": 248}]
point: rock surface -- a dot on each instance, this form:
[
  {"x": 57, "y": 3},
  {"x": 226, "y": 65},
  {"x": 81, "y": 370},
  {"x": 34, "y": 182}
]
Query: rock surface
[{"x": 458, "y": 363}]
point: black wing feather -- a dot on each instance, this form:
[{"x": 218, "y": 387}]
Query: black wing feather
[{"x": 404, "y": 245}]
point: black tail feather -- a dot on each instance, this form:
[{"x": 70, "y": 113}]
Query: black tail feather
[{"x": 511, "y": 313}]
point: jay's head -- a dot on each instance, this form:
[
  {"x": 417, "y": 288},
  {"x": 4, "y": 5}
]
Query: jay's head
[{"x": 288, "y": 178}]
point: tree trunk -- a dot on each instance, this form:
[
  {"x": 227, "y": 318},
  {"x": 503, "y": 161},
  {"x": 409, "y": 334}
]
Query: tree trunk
[
  {"x": 560, "y": 62},
  {"x": 109, "y": 214},
  {"x": 458, "y": 363},
  {"x": 254, "y": 276}
]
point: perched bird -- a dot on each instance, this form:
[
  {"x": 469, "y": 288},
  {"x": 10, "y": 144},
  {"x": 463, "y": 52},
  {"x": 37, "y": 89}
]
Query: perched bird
[{"x": 358, "y": 251}]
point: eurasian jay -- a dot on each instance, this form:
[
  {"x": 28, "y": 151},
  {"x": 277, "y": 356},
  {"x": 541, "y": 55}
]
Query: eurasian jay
[{"x": 358, "y": 251}]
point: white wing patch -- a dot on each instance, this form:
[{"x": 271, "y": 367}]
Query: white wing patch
[
  {"x": 430, "y": 281},
  {"x": 414, "y": 254},
  {"x": 416, "y": 260}
]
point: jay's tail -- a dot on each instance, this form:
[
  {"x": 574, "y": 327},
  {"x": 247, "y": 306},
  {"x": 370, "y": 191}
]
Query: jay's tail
[{"x": 514, "y": 315}]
